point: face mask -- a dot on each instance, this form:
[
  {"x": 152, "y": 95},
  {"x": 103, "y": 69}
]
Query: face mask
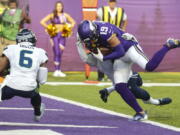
[{"x": 12, "y": 11}]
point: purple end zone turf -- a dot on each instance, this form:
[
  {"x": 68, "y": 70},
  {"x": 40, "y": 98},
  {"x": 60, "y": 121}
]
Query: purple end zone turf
[{"x": 74, "y": 115}]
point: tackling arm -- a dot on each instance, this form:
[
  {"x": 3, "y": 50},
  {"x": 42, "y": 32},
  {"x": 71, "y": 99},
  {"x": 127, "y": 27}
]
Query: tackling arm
[{"x": 87, "y": 58}]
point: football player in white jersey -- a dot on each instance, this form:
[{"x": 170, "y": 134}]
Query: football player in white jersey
[{"x": 27, "y": 70}]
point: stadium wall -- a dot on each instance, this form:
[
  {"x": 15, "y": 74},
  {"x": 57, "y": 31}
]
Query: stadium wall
[{"x": 152, "y": 22}]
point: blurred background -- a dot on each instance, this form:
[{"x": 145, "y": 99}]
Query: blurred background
[{"x": 152, "y": 22}]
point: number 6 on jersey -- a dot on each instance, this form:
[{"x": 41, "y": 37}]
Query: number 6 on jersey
[{"x": 25, "y": 61}]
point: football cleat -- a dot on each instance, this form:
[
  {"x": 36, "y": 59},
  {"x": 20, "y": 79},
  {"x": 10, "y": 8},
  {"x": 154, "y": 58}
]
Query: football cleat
[
  {"x": 165, "y": 101},
  {"x": 172, "y": 43},
  {"x": 61, "y": 74},
  {"x": 104, "y": 95},
  {"x": 58, "y": 73},
  {"x": 140, "y": 116},
  {"x": 42, "y": 109}
]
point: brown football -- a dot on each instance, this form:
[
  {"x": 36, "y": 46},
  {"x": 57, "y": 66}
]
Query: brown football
[{"x": 105, "y": 51}]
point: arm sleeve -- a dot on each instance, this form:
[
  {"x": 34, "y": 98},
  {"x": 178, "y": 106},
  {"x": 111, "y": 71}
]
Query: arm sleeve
[
  {"x": 118, "y": 52},
  {"x": 81, "y": 51},
  {"x": 42, "y": 75},
  {"x": 43, "y": 56},
  {"x": 8, "y": 51},
  {"x": 87, "y": 58}
]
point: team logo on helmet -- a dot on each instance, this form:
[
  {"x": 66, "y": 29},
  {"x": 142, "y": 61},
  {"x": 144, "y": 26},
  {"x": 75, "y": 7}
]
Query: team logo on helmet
[
  {"x": 26, "y": 35},
  {"x": 87, "y": 32}
]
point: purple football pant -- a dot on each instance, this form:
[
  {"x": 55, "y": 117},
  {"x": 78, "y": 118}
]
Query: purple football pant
[{"x": 58, "y": 40}]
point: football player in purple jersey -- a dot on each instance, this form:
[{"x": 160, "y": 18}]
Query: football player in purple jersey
[{"x": 125, "y": 51}]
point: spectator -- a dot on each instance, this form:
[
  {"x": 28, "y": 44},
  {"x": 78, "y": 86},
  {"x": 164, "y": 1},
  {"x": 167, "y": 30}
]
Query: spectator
[
  {"x": 114, "y": 15},
  {"x": 59, "y": 22},
  {"x": 3, "y": 7},
  {"x": 12, "y": 20}
]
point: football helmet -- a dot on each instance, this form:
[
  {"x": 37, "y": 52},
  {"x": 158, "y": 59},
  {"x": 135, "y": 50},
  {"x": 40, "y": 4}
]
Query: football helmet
[
  {"x": 88, "y": 33},
  {"x": 26, "y": 35}
]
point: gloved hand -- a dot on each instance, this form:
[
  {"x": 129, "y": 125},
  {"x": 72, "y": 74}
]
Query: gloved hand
[{"x": 98, "y": 55}]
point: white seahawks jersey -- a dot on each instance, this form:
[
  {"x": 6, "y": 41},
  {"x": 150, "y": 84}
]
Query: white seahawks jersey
[{"x": 25, "y": 61}]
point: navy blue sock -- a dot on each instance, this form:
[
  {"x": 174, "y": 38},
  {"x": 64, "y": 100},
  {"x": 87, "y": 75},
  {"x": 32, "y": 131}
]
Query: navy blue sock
[
  {"x": 140, "y": 93},
  {"x": 128, "y": 97},
  {"x": 156, "y": 59}
]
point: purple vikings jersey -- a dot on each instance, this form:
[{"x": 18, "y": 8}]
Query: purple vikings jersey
[{"x": 106, "y": 30}]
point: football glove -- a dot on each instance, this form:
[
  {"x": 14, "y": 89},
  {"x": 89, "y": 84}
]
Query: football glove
[{"x": 98, "y": 55}]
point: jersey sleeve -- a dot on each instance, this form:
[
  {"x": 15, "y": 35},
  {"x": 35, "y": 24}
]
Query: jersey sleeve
[
  {"x": 43, "y": 56},
  {"x": 106, "y": 31},
  {"x": 8, "y": 51}
]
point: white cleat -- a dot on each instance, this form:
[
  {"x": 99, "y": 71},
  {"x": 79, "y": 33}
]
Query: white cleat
[
  {"x": 42, "y": 109},
  {"x": 56, "y": 73},
  {"x": 61, "y": 74},
  {"x": 140, "y": 116}
]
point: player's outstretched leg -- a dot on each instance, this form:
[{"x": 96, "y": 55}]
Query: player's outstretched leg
[
  {"x": 158, "y": 56},
  {"x": 130, "y": 99},
  {"x": 104, "y": 95}
]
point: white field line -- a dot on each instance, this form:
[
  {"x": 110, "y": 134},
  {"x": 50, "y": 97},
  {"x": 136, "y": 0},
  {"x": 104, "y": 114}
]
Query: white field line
[
  {"x": 108, "y": 83},
  {"x": 22, "y": 109},
  {"x": 29, "y": 132},
  {"x": 109, "y": 112},
  {"x": 51, "y": 125}
]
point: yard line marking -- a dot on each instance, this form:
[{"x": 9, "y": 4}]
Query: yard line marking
[
  {"x": 29, "y": 132},
  {"x": 77, "y": 83},
  {"x": 109, "y": 83},
  {"x": 14, "y": 108},
  {"x": 162, "y": 84},
  {"x": 109, "y": 112},
  {"x": 51, "y": 125}
]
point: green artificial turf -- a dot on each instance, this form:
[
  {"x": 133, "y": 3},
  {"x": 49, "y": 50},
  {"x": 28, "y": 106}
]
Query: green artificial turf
[{"x": 168, "y": 114}]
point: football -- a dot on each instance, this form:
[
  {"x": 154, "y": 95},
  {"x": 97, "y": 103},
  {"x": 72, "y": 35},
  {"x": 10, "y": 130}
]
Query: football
[{"x": 105, "y": 51}]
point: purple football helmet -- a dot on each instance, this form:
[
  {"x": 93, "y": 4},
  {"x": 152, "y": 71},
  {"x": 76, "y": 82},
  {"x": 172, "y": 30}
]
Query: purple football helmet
[{"x": 88, "y": 34}]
